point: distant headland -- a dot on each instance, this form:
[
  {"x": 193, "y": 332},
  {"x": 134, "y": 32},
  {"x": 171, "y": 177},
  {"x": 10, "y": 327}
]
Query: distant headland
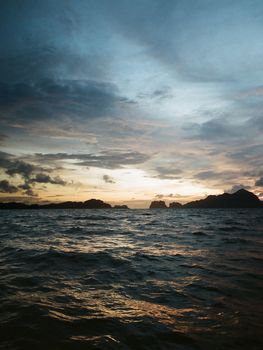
[
  {"x": 240, "y": 199},
  {"x": 89, "y": 204}
]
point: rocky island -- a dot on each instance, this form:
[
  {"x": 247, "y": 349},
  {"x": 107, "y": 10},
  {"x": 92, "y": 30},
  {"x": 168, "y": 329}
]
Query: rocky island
[
  {"x": 240, "y": 199},
  {"x": 120, "y": 207},
  {"x": 175, "y": 205},
  {"x": 89, "y": 204},
  {"x": 158, "y": 205}
]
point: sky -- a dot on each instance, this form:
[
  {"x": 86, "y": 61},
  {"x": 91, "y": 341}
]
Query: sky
[{"x": 130, "y": 101}]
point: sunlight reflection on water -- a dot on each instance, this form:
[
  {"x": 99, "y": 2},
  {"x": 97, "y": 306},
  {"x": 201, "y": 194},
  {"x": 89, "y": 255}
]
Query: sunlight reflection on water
[{"x": 131, "y": 279}]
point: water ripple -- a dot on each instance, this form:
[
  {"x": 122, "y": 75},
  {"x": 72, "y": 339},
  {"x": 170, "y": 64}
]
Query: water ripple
[{"x": 138, "y": 279}]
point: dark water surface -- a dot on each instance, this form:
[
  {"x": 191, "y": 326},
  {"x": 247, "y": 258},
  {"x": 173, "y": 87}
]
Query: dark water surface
[{"x": 138, "y": 279}]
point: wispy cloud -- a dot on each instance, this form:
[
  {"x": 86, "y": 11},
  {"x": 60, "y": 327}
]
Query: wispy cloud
[{"x": 106, "y": 160}]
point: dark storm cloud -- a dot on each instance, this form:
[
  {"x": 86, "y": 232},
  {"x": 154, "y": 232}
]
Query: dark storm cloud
[
  {"x": 48, "y": 48},
  {"x": 50, "y": 39},
  {"x": 108, "y": 179},
  {"x": 6, "y": 187},
  {"x": 44, "y": 178},
  {"x": 28, "y": 172},
  {"x": 42, "y": 39},
  {"x": 20, "y": 168},
  {"x": 52, "y": 99},
  {"x": 40, "y": 178},
  {"x": 13, "y": 166},
  {"x": 27, "y": 189},
  {"x": 201, "y": 40},
  {"x": 53, "y": 57},
  {"x": 106, "y": 159}
]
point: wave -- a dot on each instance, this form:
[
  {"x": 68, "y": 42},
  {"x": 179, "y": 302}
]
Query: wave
[{"x": 131, "y": 280}]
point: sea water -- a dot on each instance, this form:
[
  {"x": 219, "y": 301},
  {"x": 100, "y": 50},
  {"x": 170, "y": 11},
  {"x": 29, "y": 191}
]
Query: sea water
[{"x": 131, "y": 279}]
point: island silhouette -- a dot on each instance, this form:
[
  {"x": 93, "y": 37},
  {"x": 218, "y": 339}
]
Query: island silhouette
[
  {"x": 239, "y": 199},
  {"x": 89, "y": 204}
]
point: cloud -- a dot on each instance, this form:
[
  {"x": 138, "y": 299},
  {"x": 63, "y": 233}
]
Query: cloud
[
  {"x": 251, "y": 155},
  {"x": 206, "y": 175},
  {"x": 256, "y": 123},
  {"x": 20, "y": 168},
  {"x": 157, "y": 94},
  {"x": 71, "y": 39},
  {"x": 13, "y": 166},
  {"x": 106, "y": 159},
  {"x": 200, "y": 40},
  {"x": 4, "y": 156},
  {"x": 28, "y": 172},
  {"x": 27, "y": 189},
  {"x": 259, "y": 182},
  {"x": 2, "y": 138},
  {"x": 160, "y": 196},
  {"x": 215, "y": 130},
  {"x": 108, "y": 179},
  {"x": 237, "y": 187},
  {"x": 228, "y": 176},
  {"x": 32, "y": 173},
  {"x": 20, "y": 199},
  {"x": 77, "y": 39},
  {"x": 53, "y": 99},
  {"x": 256, "y": 91},
  {"x": 168, "y": 172},
  {"x": 44, "y": 178},
  {"x": 107, "y": 72},
  {"x": 59, "y": 63},
  {"x": 162, "y": 93},
  {"x": 6, "y": 187}
]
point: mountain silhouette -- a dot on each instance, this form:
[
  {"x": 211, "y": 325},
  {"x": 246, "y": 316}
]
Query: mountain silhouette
[
  {"x": 158, "y": 205},
  {"x": 120, "y": 206},
  {"x": 89, "y": 204},
  {"x": 240, "y": 199},
  {"x": 175, "y": 205}
]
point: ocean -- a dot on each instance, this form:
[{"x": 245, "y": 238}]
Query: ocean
[{"x": 131, "y": 279}]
